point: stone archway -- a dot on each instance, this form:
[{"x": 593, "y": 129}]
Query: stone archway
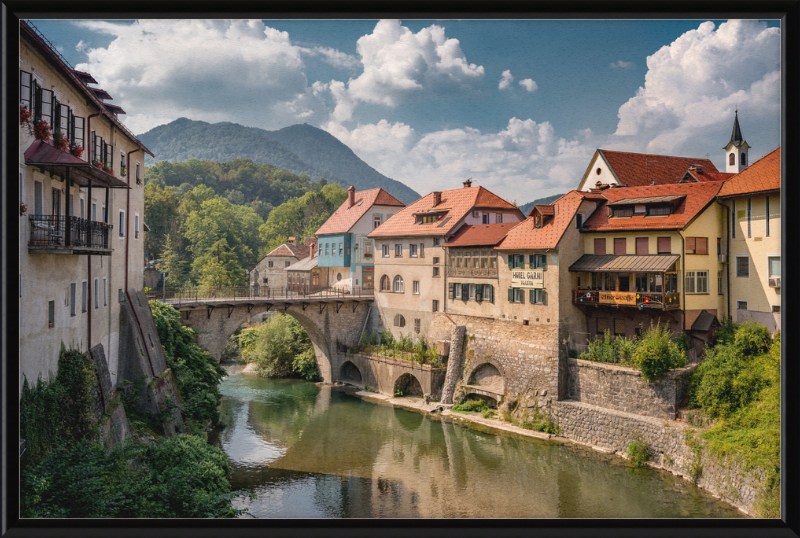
[
  {"x": 349, "y": 373},
  {"x": 408, "y": 385},
  {"x": 488, "y": 377}
]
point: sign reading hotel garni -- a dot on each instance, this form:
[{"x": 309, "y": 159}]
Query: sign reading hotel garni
[
  {"x": 617, "y": 297},
  {"x": 527, "y": 279}
]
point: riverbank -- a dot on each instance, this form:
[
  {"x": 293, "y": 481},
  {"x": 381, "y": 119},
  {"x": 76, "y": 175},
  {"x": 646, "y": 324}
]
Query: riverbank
[{"x": 719, "y": 479}]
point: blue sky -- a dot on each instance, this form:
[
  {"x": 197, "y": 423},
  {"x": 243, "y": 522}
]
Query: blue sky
[{"x": 519, "y": 106}]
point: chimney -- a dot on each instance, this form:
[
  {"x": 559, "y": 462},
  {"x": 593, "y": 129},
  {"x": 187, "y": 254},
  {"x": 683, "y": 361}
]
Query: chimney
[
  {"x": 351, "y": 196},
  {"x": 291, "y": 240},
  {"x": 437, "y": 198},
  {"x": 468, "y": 183},
  {"x": 654, "y": 182},
  {"x": 311, "y": 243}
]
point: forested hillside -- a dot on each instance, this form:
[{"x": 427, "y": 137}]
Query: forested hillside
[
  {"x": 300, "y": 149},
  {"x": 546, "y": 200}
]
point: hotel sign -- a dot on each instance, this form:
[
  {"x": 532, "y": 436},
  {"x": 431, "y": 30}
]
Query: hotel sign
[
  {"x": 527, "y": 279},
  {"x": 617, "y": 297}
]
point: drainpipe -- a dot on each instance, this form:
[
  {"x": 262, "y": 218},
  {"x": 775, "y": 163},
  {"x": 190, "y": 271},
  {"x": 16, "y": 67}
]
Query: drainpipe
[
  {"x": 727, "y": 257},
  {"x": 128, "y": 211},
  {"x": 683, "y": 284},
  {"x": 89, "y": 257},
  {"x": 445, "y": 254}
]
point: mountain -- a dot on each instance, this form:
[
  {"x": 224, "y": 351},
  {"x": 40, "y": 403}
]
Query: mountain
[
  {"x": 300, "y": 149},
  {"x": 549, "y": 199}
]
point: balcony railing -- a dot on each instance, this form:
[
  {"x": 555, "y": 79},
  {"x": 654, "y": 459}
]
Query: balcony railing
[
  {"x": 67, "y": 232},
  {"x": 472, "y": 272},
  {"x": 630, "y": 299}
]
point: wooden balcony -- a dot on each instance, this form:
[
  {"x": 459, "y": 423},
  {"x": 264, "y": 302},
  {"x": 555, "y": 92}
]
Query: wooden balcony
[
  {"x": 627, "y": 299},
  {"x": 471, "y": 272}
]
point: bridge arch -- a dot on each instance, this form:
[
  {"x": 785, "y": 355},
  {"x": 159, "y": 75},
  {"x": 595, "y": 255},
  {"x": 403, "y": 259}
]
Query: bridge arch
[
  {"x": 489, "y": 376},
  {"x": 349, "y": 373},
  {"x": 408, "y": 385}
]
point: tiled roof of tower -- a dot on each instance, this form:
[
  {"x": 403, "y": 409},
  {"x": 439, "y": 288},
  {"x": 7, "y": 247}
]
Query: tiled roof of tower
[
  {"x": 290, "y": 249},
  {"x": 525, "y": 236},
  {"x": 698, "y": 196},
  {"x": 475, "y": 235},
  {"x": 640, "y": 169},
  {"x": 761, "y": 176},
  {"x": 455, "y": 203},
  {"x": 345, "y": 216}
]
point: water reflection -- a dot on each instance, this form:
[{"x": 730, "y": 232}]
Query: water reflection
[{"x": 317, "y": 452}]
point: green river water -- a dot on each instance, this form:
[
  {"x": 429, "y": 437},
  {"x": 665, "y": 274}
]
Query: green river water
[{"x": 312, "y": 451}]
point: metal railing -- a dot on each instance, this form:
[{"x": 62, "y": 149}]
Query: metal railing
[
  {"x": 186, "y": 295},
  {"x": 641, "y": 300},
  {"x": 68, "y": 231}
]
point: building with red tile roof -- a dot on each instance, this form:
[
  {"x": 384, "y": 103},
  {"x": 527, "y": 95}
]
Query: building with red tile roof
[
  {"x": 352, "y": 209},
  {"x": 270, "y": 271},
  {"x": 763, "y": 176},
  {"x": 472, "y": 235}
]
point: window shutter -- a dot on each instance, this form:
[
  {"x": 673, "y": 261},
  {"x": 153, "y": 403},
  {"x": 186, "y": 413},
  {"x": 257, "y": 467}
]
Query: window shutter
[
  {"x": 46, "y": 106},
  {"x": 522, "y": 296},
  {"x": 465, "y": 292},
  {"x": 600, "y": 247},
  {"x": 665, "y": 245},
  {"x": 78, "y": 126},
  {"x": 690, "y": 245},
  {"x": 479, "y": 292},
  {"x": 642, "y": 246},
  {"x": 701, "y": 245},
  {"x": 532, "y": 296},
  {"x": 620, "y": 246},
  {"x": 532, "y": 260},
  {"x": 37, "y": 100},
  {"x": 510, "y": 295},
  {"x": 25, "y": 88},
  {"x": 489, "y": 292},
  {"x": 544, "y": 297},
  {"x": 602, "y": 325},
  {"x": 510, "y": 261},
  {"x": 450, "y": 290},
  {"x": 544, "y": 262}
]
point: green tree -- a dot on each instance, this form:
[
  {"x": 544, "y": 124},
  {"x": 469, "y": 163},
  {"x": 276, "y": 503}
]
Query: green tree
[
  {"x": 161, "y": 206},
  {"x": 219, "y": 267},
  {"x": 278, "y": 347}
]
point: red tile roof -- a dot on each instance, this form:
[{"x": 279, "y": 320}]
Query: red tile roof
[
  {"x": 761, "y": 176},
  {"x": 525, "y": 236},
  {"x": 698, "y": 196},
  {"x": 457, "y": 203},
  {"x": 345, "y": 217},
  {"x": 708, "y": 176},
  {"x": 543, "y": 209},
  {"x": 640, "y": 169},
  {"x": 290, "y": 249},
  {"x": 475, "y": 235}
]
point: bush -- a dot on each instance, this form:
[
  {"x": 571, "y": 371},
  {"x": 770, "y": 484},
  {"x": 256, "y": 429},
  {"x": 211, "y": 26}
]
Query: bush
[
  {"x": 657, "y": 353},
  {"x": 601, "y": 349},
  {"x": 305, "y": 365},
  {"x": 387, "y": 338},
  {"x": 469, "y": 406},
  {"x": 638, "y": 453},
  {"x": 274, "y": 345},
  {"x": 727, "y": 331},
  {"x": 487, "y": 413},
  {"x": 752, "y": 338}
]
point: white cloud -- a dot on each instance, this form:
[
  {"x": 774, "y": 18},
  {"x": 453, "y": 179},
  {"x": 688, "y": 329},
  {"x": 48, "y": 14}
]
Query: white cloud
[
  {"x": 334, "y": 57},
  {"x": 399, "y": 64},
  {"x": 81, "y": 46},
  {"x": 505, "y": 80},
  {"x": 239, "y": 71},
  {"x": 693, "y": 85},
  {"x": 528, "y": 84},
  {"x": 524, "y": 161},
  {"x": 621, "y": 64}
]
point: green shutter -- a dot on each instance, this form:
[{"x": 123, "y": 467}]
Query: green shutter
[
  {"x": 510, "y": 261},
  {"x": 544, "y": 297},
  {"x": 491, "y": 293},
  {"x": 532, "y": 296},
  {"x": 510, "y": 295},
  {"x": 451, "y": 289},
  {"x": 479, "y": 292},
  {"x": 465, "y": 292},
  {"x": 532, "y": 260},
  {"x": 522, "y": 296},
  {"x": 544, "y": 262}
]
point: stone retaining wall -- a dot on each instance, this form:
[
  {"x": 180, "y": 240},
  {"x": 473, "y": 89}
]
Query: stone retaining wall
[
  {"x": 623, "y": 389},
  {"x": 612, "y": 431}
]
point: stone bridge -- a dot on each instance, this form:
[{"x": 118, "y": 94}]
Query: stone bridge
[{"x": 329, "y": 319}]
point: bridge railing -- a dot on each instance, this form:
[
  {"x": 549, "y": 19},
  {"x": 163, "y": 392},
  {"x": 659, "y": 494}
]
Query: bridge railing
[{"x": 186, "y": 295}]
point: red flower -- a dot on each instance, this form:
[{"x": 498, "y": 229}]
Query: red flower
[
  {"x": 60, "y": 141},
  {"x": 24, "y": 115},
  {"x": 76, "y": 150},
  {"x": 41, "y": 130}
]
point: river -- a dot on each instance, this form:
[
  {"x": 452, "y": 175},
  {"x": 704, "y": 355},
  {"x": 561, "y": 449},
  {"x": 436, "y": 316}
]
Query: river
[{"x": 312, "y": 451}]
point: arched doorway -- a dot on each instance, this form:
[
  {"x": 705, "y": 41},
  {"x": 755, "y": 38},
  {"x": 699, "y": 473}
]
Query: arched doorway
[
  {"x": 407, "y": 385},
  {"x": 349, "y": 373}
]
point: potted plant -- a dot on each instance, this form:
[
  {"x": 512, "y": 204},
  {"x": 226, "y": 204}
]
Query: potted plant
[
  {"x": 24, "y": 115},
  {"x": 23, "y": 209},
  {"x": 76, "y": 150},
  {"x": 96, "y": 162},
  {"x": 110, "y": 171},
  {"x": 41, "y": 130},
  {"x": 60, "y": 141},
  {"x": 122, "y": 170}
]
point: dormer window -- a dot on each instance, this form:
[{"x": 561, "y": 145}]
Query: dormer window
[
  {"x": 537, "y": 221},
  {"x": 640, "y": 209}
]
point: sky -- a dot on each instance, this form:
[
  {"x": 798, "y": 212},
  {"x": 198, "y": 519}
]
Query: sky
[{"x": 519, "y": 106}]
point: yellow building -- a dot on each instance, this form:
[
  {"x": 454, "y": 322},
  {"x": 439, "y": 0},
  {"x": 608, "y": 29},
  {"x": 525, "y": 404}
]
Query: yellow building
[{"x": 752, "y": 201}]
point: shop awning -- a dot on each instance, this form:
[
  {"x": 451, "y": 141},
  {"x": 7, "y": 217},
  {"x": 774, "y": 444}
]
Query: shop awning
[
  {"x": 590, "y": 263},
  {"x": 55, "y": 161}
]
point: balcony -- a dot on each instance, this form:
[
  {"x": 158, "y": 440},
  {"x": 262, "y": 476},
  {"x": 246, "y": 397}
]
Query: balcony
[
  {"x": 472, "y": 272},
  {"x": 628, "y": 299},
  {"x": 68, "y": 235}
]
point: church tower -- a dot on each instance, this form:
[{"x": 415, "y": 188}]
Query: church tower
[{"x": 736, "y": 151}]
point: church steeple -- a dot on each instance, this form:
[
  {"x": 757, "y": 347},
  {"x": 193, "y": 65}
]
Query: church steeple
[{"x": 736, "y": 150}]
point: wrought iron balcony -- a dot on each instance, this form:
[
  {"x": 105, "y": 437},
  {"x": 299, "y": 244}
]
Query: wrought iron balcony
[
  {"x": 68, "y": 235},
  {"x": 472, "y": 272},
  {"x": 630, "y": 299}
]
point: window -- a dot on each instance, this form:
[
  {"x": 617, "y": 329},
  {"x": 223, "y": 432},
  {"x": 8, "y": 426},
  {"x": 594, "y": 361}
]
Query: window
[
  {"x": 287, "y": 264},
  {"x": 416, "y": 287},
  {"x": 398, "y": 250},
  {"x": 743, "y": 159},
  {"x": 326, "y": 248},
  {"x": 435, "y": 241},
  {"x": 376, "y": 221},
  {"x": 741, "y": 305},
  {"x": 620, "y": 246},
  {"x": 266, "y": 281},
  {"x": 78, "y": 126},
  {"x": 83, "y": 208},
  {"x": 428, "y": 219},
  {"x": 602, "y": 325},
  {"x": 84, "y": 296},
  {"x": 733, "y": 218},
  {"x": 38, "y": 200},
  {"x": 455, "y": 290},
  {"x": 766, "y": 216},
  {"x": 96, "y": 294},
  {"x": 422, "y": 250},
  {"x": 399, "y": 321},
  {"x": 538, "y": 296},
  {"x": 578, "y": 221},
  {"x": 720, "y": 289},
  {"x": 319, "y": 249},
  {"x": 367, "y": 248},
  {"x": 619, "y": 327},
  {"x": 416, "y": 325},
  {"x": 538, "y": 261},
  {"x": 138, "y": 179},
  {"x": 488, "y": 293},
  {"x": 516, "y": 261},
  {"x": 398, "y": 284},
  {"x": 749, "y": 213},
  {"x": 697, "y": 245},
  {"x": 412, "y": 250},
  {"x": 73, "y": 290},
  {"x": 471, "y": 292},
  {"x": 485, "y": 218},
  {"x": 105, "y": 294},
  {"x": 776, "y": 309},
  {"x": 664, "y": 245},
  {"x": 121, "y": 223},
  {"x": 774, "y": 263},
  {"x": 600, "y": 247},
  {"x": 743, "y": 266},
  {"x": 696, "y": 281},
  {"x": 103, "y": 213},
  {"x": 435, "y": 271},
  {"x": 435, "y": 260},
  {"x": 51, "y": 314},
  {"x": 435, "y": 306},
  {"x": 136, "y": 226},
  {"x": 384, "y": 283},
  {"x": 385, "y": 251},
  {"x": 642, "y": 246},
  {"x": 269, "y": 264},
  {"x": 732, "y": 159},
  {"x": 25, "y": 87},
  {"x": 498, "y": 218},
  {"x": 516, "y": 295},
  {"x": 341, "y": 249}
]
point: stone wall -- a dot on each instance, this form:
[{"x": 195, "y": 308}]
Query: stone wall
[
  {"x": 526, "y": 355},
  {"x": 667, "y": 443},
  {"x": 382, "y": 373},
  {"x": 623, "y": 389}
]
